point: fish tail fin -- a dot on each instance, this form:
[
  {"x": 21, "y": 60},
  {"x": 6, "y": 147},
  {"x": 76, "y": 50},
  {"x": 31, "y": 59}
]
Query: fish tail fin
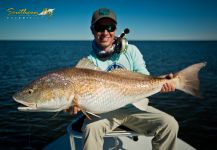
[{"x": 188, "y": 79}]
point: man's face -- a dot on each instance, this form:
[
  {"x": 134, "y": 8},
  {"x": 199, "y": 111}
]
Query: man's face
[{"x": 104, "y": 33}]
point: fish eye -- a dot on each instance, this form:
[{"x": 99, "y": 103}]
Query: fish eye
[{"x": 30, "y": 91}]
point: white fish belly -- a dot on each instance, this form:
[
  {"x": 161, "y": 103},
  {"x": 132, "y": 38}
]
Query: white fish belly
[{"x": 106, "y": 100}]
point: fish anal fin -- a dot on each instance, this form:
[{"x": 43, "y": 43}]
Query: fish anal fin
[{"x": 142, "y": 104}]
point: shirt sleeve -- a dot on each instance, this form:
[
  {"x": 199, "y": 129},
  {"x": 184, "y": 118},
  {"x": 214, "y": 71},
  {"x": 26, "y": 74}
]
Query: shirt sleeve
[
  {"x": 92, "y": 58},
  {"x": 138, "y": 61}
]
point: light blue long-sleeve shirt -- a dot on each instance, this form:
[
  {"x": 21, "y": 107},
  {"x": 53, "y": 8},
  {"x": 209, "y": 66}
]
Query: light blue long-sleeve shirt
[{"x": 131, "y": 60}]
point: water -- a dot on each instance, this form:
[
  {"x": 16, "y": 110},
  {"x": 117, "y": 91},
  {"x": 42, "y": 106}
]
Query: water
[{"x": 23, "y": 61}]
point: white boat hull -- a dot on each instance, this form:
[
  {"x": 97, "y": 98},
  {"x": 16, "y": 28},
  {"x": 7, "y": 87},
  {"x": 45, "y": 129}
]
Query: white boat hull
[
  {"x": 119, "y": 139},
  {"x": 143, "y": 143}
]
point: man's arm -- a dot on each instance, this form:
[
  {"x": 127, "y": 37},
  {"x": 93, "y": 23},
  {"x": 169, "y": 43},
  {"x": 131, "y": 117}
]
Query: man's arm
[{"x": 138, "y": 61}]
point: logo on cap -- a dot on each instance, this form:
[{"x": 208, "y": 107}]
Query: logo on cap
[{"x": 104, "y": 12}]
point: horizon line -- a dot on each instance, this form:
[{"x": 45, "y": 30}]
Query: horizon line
[
  {"x": 92, "y": 39},
  {"x": 196, "y": 40}
]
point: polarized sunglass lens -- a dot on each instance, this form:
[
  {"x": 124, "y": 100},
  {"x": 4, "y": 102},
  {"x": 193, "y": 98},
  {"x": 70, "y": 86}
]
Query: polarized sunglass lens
[
  {"x": 102, "y": 28},
  {"x": 111, "y": 28},
  {"x": 98, "y": 28}
]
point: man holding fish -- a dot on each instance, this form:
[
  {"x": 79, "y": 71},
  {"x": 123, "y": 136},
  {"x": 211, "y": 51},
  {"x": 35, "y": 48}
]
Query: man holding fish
[
  {"x": 112, "y": 82},
  {"x": 146, "y": 120}
]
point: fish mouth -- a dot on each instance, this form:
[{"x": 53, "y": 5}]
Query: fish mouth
[{"x": 28, "y": 106}]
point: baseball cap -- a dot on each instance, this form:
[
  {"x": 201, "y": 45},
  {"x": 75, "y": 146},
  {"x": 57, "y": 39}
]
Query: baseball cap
[{"x": 103, "y": 13}]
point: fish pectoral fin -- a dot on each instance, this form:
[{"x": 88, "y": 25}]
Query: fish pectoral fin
[
  {"x": 142, "y": 104},
  {"x": 87, "y": 64},
  {"x": 93, "y": 114},
  {"x": 75, "y": 101},
  {"x": 85, "y": 113}
]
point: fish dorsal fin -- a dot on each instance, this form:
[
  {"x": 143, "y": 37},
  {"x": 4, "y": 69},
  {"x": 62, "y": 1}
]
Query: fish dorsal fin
[
  {"x": 87, "y": 64},
  {"x": 128, "y": 73}
]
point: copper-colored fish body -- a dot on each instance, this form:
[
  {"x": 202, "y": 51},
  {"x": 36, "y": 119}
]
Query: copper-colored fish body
[{"x": 98, "y": 91}]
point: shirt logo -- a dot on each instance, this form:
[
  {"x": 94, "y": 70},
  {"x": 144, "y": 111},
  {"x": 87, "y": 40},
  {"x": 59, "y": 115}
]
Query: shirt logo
[{"x": 115, "y": 66}]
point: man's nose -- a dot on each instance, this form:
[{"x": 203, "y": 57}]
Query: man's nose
[{"x": 105, "y": 31}]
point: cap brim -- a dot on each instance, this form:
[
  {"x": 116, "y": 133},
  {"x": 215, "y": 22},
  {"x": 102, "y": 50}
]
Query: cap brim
[{"x": 102, "y": 18}]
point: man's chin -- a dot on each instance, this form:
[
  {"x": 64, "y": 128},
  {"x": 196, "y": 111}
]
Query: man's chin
[
  {"x": 105, "y": 44},
  {"x": 106, "y": 47}
]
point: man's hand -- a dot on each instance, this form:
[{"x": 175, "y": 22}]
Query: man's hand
[
  {"x": 168, "y": 87},
  {"x": 73, "y": 110}
]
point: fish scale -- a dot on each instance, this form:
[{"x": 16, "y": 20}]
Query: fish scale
[
  {"x": 121, "y": 96},
  {"x": 98, "y": 91}
]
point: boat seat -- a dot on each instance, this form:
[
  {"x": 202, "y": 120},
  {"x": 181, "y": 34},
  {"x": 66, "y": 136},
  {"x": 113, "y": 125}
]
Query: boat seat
[{"x": 74, "y": 131}]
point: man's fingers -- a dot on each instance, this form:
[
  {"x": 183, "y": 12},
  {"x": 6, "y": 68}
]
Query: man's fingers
[
  {"x": 79, "y": 109},
  {"x": 167, "y": 87},
  {"x": 163, "y": 88},
  {"x": 75, "y": 110}
]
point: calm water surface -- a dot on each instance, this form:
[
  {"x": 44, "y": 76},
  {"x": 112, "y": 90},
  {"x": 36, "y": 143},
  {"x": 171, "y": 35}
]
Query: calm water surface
[{"x": 23, "y": 61}]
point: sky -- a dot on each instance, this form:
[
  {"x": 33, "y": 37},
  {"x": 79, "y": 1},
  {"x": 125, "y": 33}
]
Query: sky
[{"x": 146, "y": 19}]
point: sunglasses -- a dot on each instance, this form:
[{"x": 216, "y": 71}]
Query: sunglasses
[{"x": 102, "y": 28}]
